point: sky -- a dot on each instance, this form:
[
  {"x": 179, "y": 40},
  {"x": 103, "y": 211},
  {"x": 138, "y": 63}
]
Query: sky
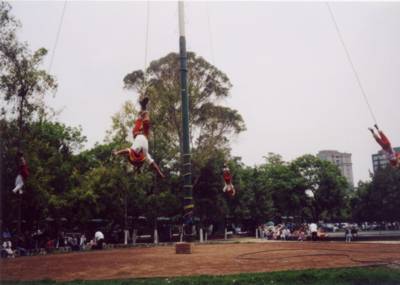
[{"x": 292, "y": 81}]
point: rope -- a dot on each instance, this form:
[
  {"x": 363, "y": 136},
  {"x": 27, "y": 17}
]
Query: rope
[
  {"x": 351, "y": 62},
  {"x": 57, "y": 37},
  {"x": 56, "y": 43},
  {"x": 146, "y": 43}
]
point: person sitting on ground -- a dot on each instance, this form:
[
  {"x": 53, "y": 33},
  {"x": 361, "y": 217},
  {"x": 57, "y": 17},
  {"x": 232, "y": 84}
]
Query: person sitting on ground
[
  {"x": 302, "y": 235},
  {"x": 7, "y": 250},
  {"x": 383, "y": 141},
  {"x": 138, "y": 153}
]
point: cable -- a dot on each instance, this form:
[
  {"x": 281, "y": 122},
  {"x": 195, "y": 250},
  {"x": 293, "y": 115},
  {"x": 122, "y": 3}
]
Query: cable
[{"x": 351, "y": 63}]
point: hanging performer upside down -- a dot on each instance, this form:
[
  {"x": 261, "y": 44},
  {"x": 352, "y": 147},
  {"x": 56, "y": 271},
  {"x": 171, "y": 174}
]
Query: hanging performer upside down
[
  {"x": 138, "y": 153},
  {"x": 383, "y": 141},
  {"x": 228, "y": 188},
  {"x": 22, "y": 175}
]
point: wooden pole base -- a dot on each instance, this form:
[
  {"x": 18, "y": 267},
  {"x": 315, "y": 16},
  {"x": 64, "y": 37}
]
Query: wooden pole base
[{"x": 183, "y": 248}]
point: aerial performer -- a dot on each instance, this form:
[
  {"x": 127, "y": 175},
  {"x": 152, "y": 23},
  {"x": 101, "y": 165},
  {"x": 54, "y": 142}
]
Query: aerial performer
[
  {"x": 138, "y": 153},
  {"x": 228, "y": 188},
  {"x": 383, "y": 141},
  {"x": 23, "y": 173}
]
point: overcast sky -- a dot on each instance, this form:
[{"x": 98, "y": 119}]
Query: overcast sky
[{"x": 291, "y": 79}]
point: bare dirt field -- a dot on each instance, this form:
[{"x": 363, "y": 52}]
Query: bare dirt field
[{"x": 211, "y": 259}]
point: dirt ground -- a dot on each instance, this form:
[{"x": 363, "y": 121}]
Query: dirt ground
[{"x": 210, "y": 259}]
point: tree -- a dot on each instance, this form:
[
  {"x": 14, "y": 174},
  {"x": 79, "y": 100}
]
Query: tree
[
  {"x": 211, "y": 202},
  {"x": 22, "y": 82},
  {"x": 282, "y": 184},
  {"x": 328, "y": 185},
  {"x": 50, "y": 154},
  {"x": 210, "y": 124},
  {"x": 378, "y": 200}
]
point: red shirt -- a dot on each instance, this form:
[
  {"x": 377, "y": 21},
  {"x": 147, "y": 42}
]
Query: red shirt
[
  {"x": 24, "y": 171},
  {"x": 227, "y": 175}
]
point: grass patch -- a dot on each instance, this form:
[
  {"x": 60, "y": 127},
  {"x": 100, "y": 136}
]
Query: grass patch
[{"x": 341, "y": 276}]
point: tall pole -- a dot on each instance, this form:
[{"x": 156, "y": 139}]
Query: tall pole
[
  {"x": 126, "y": 214},
  {"x": 20, "y": 126},
  {"x": 187, "y": 168}
]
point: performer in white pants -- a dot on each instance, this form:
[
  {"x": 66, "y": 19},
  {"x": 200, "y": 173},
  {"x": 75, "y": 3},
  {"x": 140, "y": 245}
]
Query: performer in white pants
[
  {"x": 138, "y": 153},
  {"x": 22, "y": 175}
]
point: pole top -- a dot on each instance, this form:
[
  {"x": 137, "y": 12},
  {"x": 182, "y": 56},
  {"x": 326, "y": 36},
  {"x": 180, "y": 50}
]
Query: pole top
[{"x": 181, "y": 10}]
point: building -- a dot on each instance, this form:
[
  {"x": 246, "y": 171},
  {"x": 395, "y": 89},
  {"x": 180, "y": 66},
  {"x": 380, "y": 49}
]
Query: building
[
  {"x": 342, "y": 160},
  {"x": 379, "y": 159}
]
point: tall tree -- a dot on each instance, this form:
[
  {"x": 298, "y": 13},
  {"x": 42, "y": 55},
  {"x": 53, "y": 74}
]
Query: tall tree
[
  {"x": 210, "y": 124},
  {"x": 22, "y": 86},
  {"x": 378, "y": 200},
  {"x": 329, "y": 187},
  {"x": 50, "y": 152},
  {"x": 22, "y": 81}
]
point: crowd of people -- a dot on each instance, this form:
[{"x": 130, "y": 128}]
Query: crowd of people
[
  {"x": 36, "y": 243},
  {"x": 292, "y": 232},
  {"x": 312, "y": 231}
]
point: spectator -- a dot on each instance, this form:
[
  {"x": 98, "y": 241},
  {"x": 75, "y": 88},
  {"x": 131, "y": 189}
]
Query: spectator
[
  {"x": 314, "y": 231},
  {"x": 285, "y": 235},
  {"x": 354, "y": 233},
  {"x": 7, "y": 250},
  {"x": 347, "y": 234},
  {"x": 321, "y": 234},
  {"x": 82, "y": 242},
  {"x": 98, "y": 240},
  {"x": 73, "y": 242},
  {"x": 60, "y": 240},
  {"x": 302, "y": 235},
  {"x": 6, "y": 234},
  {"x": 50, "y": 245}
]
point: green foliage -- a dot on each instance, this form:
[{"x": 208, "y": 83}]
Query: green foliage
[
  {"x": 20, "y": 73},
  {"x": 378, "y": 200},
  {"x": 50, "y": 156},
  {"x": 328, "y": 185},
  {"x": 210, "y": 124},
  {"x": 82, "y": 185}
]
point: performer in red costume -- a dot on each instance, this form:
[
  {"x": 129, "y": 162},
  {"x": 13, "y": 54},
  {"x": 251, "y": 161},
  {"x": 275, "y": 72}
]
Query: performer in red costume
[
  {"x": 138, "y": 153},
  {"x": 23, "y": 173},
  {"x": 383, "y": 141},
  {"x": 228, "y": 188}
]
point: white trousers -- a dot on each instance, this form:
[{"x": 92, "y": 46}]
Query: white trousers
[
  {"x": 228, "y": 187},
  {"x": 19, "y": 183}
]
